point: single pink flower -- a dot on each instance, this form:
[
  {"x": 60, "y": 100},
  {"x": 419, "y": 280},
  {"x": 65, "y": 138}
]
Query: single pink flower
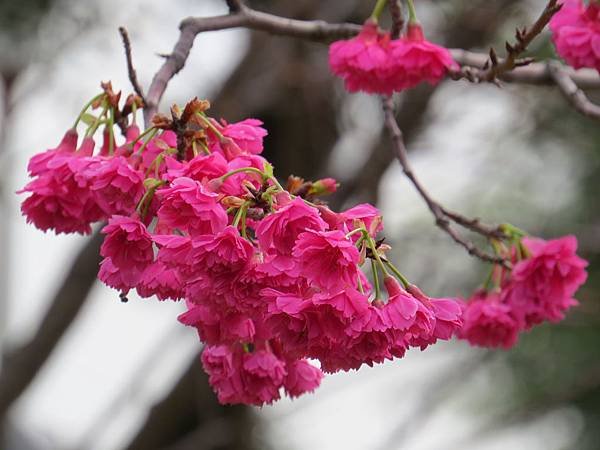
[
  {"x": 248, "y": 136},
  {"x": 302, "y": 377},
  {"x": 128, "y": 245},
  {"x": 576, "y": 34},
  {"x": 161, "y": 281},
  {"x": 201, "y": 168},
  {"x": 416, "y": 60},
  {"x": 187, "y": 205},
  {"x": 38, "y": 164},
  {"x": 363, "y": 62},
  {"x": 277, "y": 232},
  {"x": 489, "y": 323},
  {"x": 117, "y": 187},
  {"x": 543, "y": 284},
  {"x": 327, "y": 258},
  {"x": 223, "y": 367},
  {"x": 263, "y": 375},
  {"x": 60, "y": 198}
]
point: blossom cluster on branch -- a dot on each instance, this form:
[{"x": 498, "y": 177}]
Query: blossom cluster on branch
[{"x": 279, "y": 287}]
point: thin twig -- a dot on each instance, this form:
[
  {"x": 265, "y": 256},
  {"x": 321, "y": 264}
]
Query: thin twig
[
  {"x": 318, "y": 30},
  {"x": 130, "y": 69},
  {"x": 524, "y": 37},
  {"x": 442, "y": 220},
  {"x": 572, "y": 93}
]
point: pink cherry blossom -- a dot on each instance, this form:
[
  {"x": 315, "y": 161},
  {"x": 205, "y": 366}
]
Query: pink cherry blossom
[
  {"x": 302, "y": 377},
  {"x": 543, "y": 284},
  {"x": 364, "y": 62},
  {"x": 489, "y": 323},
  {"x": 188, "y": 206},
  {"x": 60, "y": 198},
  {"x": 327, "y": 258},
  {"x": 417, "y": 60},
  {"x": 117, "y": 187},
  {"x": 128, "y": 246},
  {"x": 278, "y": 231},
  {"x": 576, "y": 34}
]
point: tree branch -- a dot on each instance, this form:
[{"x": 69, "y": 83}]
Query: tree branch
[
  {"x": 524, "y": 38},
  {"x": 442, "y": 218},
  {"x": 575, "y": 96},
  {"x": 318, "y": 30},
  {"x": 130, "y": 69}
]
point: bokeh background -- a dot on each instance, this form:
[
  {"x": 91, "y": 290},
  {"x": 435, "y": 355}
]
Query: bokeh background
[{"x": 117, "y": 376}]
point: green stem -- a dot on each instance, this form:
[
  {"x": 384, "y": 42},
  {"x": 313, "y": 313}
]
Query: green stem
[
  {"x": 360, "y": 286},
  {"x": 242, "y": 170},
  {"x": 144, "y": 204},
  {"x": 376, "y": 280},
  {"x": 92, "y": 129},
  {"x": 378, "y": 9},
  {"x": 353, "y": 232},
  {"x": 85, "y": 108},
  {"x": 152, "y": 134},
  {"x": 111, "y": 132},
  {"x": 401, "y": 277},
  {"x": 244, "y": 213},
  {"x": 412, "y": 12},
  {"x": 371, "y": 244},
  {"x": 210, "y": 125},
  {"x": 239, "y": 214},
  {"x": 141, "y": 136}
]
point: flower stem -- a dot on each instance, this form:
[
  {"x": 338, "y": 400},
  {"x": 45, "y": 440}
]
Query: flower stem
[
  {"x": 85, "y": 108},
  {"x": 92, "y": 129},
  {"x": 401, "y": 277},
  {"x": 376, "y": 280},
  {"x": 378, "y": 9},
  {"x": 412, "y": 12},
  {"x": 242, "y": 170},
  {"x": 152, "y": 134},
  {"x": 373, "y": 248},
  {"x": 111, "y": 132}
]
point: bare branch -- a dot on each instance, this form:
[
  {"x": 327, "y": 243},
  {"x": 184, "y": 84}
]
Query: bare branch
[
  {"x": 319, "y": 30},
  {"x": 535, "y": 73},
  {"x": 442, "y": 220},
  {"x": 130, "y": 69},
  {"x": 524, "y": 37},
  {"x": 397, "y": 18},
  {"x": 572, "y": 93}
]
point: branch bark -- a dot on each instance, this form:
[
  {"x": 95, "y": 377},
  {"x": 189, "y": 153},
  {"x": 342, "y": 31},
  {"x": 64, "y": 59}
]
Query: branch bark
[
  {"x": 575, "y": 96},
  {"x": 442, "y": 219},
  {"x": 314, "y": 30}
]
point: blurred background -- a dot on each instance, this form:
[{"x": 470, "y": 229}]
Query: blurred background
[{"x": 81, "y": 370}]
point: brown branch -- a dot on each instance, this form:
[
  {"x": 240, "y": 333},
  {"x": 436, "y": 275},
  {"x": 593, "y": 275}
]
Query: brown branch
[
  {"x": 130, "y": 69},
  {"x": 397, "y": 18},
  {"x": 20, "y": 366},
  {"x": 575, "y": 96},
  {"x": 442, "y": 220},
  {"x": 535, "y": 73},
  {"x": 319, "y": 30},
  {"x": 524, "y": 37}
]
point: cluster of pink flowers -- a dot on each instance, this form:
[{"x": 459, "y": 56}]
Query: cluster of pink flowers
[
  {"x": 539, "y": 288},
  {"x": 576, "y": 33},
  {"x": 272, "y": 279},
  {"x": 373, "y": 62}
]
